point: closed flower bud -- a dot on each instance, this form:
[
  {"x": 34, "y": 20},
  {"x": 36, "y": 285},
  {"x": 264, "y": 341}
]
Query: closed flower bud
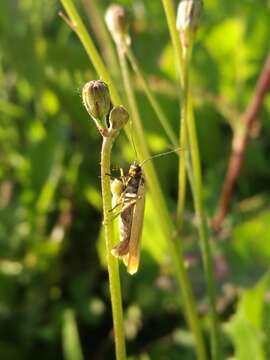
[
  {"x": 116, "y": 18},
  {"x": 96, "y": 99},
  {"x": 118, "y": 117},
  {"x": 188, "y": 19}
]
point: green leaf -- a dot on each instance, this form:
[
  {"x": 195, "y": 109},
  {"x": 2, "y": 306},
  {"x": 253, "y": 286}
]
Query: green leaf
[
  {"x": 246, "y": 327},
  {"x": 70, "y": 337}
]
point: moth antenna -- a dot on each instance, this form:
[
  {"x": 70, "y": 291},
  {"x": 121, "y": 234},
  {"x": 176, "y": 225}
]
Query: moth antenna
[
  {"x": 132, "y": 141},
  {"x": 163, "y": 154}
]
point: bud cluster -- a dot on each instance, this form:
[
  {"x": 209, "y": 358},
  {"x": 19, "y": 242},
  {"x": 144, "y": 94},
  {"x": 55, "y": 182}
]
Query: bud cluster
[{"x": 97, "y": 101}]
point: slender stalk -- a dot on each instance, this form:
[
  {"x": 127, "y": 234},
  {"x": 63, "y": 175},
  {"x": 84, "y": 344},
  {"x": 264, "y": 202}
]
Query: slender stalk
[
  {"x": 99, "y": 29},
  {"x": 78, "y": 26},
  {"x": 171, "y": 20},
  {"x": 183, "y": 161},
  {"x": 182, "y": 64},
  {"x": 152, "y": 99},
  {"x": 182, "y": 180},
  {"x": 162, "y": 212},
  {"x": 170, "y": 133},
  {"x": 114, "y": 280},
  {"x": 175, "y": 249},
  {"x": 201, "y": 218}
]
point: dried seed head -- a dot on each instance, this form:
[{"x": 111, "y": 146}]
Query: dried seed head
[
  {"x": 96, "y": 99},
  {"x": 116, "y": 18},
  {"x": 118, "y": 117},
  {"x": 188, "y": 18}
]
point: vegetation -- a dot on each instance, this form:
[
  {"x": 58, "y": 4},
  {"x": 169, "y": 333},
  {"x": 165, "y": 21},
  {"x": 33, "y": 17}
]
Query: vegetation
[{"x": 199, "y": 293}]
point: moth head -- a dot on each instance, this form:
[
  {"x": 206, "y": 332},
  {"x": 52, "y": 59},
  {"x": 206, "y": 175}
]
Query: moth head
[{"x": 134, "y": 170}]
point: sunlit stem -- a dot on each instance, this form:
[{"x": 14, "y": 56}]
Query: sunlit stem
[
  {"x": 152, "y": 99},
  {"x": 114, "y": 280},
  {"x": 198, "y": 201}
]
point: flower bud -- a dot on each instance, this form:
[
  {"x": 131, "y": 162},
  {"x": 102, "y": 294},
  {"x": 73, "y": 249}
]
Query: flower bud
[
  {"x": 188, "y": 18},
  {"x": 116, "y": 18},
  {"x": 96, "y": 99},
  {"x": 118, "y": 117}
]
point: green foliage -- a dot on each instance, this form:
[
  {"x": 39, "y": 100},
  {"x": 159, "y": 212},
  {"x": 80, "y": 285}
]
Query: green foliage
[
  {"x": 247, "y": 327},
  {"x": 71, "y": 342},
  {"x": 50, "y": 204}
]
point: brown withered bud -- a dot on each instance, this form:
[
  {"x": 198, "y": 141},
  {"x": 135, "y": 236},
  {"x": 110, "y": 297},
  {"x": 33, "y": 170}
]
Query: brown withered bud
[
  {"x": 118, "y": 118},
  {"x": 188, "y": 19},
  {"x": 117, "y": 21}
]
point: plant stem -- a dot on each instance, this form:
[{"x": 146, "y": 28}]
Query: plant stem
[
  {"x": 171, "y": 19},
  {"x": 83, "y": 35},
  {"x": 183, "y": 161},
  {"x": 174, "y": 247},
  {"x": 162, "y": 212},
  {"x": 182, "y": 180},
  {"x": 182, "y": 62},
  {"x": 167, "y": 128},
  {"x": 153, "y": 101},
  {"x": 102, "y": 35},
  {"x": 114, "y": 280},
  {"x": 198, "y": 202}
]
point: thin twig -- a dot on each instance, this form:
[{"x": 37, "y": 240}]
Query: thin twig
[
  {"x": 66, "y": 19},
  {"x": 239, "y": 144},
  {"x": 102, "y": 36}
]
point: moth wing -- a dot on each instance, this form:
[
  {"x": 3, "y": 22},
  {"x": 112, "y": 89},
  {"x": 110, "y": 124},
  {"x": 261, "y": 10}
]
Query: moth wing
[{"x": 133, "y": 257}]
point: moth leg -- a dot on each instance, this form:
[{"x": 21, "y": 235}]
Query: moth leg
[
  {"x": 129, "y": 204},
  {"x": 120, "y": 201},
  {"x": 111, "y": 176},
  {"x": 115, "y": 207},
  {"x": 112, "y": 219},
  {"x": 122, "y": 176},
  {"x": 125, "y": 207}
]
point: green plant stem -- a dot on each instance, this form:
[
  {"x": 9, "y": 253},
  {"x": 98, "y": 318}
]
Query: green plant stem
[
  {"x": 114, "y": 280},
  {"x": 193, "y": 148},
  {"x": 79, "y": 28},
  {"x": 182, "y": 180},
  {"x": 171, "y": 20},
  {"x": 201, "y": 218},
  {"x": 183, "y": 161},
  {"x": 175, "y": 248},
  {"x": 170, "y": 133},
  {"x": 159, "y": 202},
  {"x": 152, "y": 99},
  {"x": 98, "y": 26}
]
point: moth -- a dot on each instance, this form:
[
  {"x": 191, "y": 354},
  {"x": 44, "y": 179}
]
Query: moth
[{"x": 129, "y": 194}]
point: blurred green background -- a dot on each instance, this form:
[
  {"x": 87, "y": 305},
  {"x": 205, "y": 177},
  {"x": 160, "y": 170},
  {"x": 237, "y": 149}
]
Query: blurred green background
[{"x": 54, "y": 297}]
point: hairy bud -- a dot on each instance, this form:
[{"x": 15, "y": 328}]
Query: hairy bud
[
  {"x": 96, "y": 99},
  {"x": 118, "y": 117},
  {"x": 188, "y": 18},
  {"x": 116, "y": 18}
]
